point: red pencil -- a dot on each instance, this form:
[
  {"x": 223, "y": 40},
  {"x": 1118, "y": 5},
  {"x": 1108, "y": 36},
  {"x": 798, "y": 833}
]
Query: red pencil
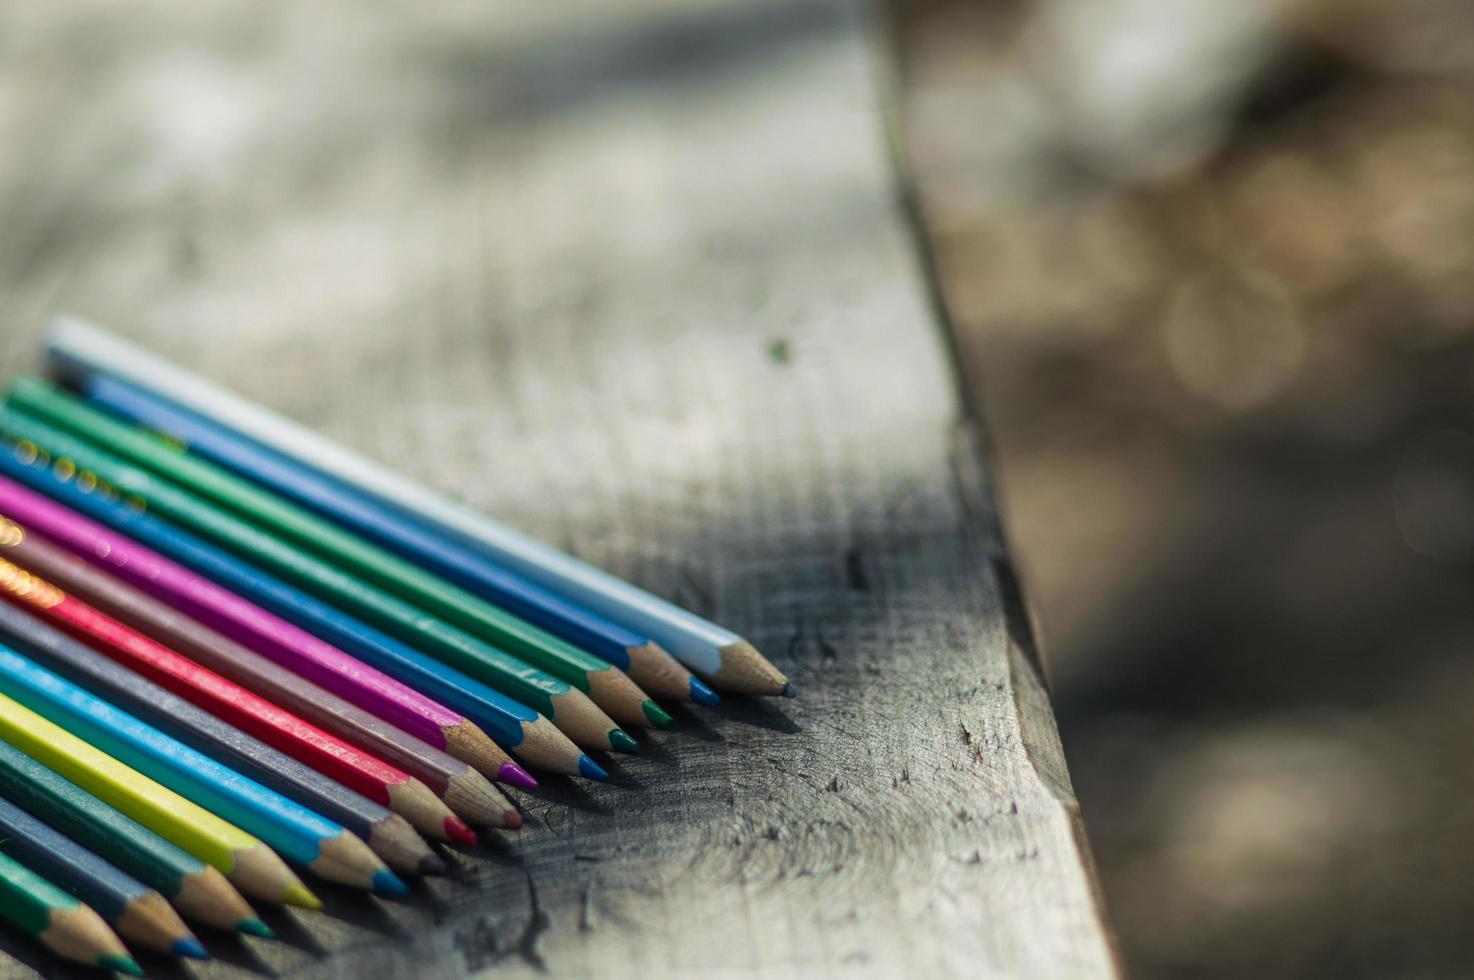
[{"x": 358, "y": 770}]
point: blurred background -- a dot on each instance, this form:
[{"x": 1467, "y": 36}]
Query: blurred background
[{"x": 1211, "y": 263}]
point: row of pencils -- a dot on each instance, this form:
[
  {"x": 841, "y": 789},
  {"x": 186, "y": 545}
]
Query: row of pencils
[{"x": 231, "y": 649}]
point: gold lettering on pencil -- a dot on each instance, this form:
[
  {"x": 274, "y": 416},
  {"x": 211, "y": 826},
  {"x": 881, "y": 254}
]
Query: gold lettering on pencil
[
  {"x": 65, "y": 469},
  {"x": 172, "y": 441},
  {"x": 27, "y": 451},
  {"x": 87, "y": 481},
  {"x": 27, "y": 587}
]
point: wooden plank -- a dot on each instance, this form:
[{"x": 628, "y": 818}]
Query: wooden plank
[{"x": 635, "y": 278}]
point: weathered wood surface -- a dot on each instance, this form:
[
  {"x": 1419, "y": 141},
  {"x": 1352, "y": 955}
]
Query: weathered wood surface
[{"x": 635, "y": 277}]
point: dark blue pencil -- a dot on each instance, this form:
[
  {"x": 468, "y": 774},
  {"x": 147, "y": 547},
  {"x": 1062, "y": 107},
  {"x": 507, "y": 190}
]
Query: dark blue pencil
[
  {"x": 515, "y": 726},
  {"x": 135, "y": 910},
  {"x": 646, "y": 663}
]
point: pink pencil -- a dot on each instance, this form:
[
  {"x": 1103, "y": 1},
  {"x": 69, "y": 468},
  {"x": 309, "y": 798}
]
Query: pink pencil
[{"x": 254, "y": 627}]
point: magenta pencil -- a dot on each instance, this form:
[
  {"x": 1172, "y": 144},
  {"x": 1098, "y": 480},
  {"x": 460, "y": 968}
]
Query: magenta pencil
[{"x": 254, "y": 627}]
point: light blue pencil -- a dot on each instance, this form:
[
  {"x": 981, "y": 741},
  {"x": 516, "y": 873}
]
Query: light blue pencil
[{"x": 78, "y": 349}]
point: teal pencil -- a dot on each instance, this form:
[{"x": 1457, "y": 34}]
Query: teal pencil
[{"x": 63, "y": 925}]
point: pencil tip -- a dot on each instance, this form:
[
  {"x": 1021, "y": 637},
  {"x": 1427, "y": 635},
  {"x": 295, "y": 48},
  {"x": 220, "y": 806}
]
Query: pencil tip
[
  {"x": 620, "y": 741},
  {"x": 387, "y": 882},
  {"x": 657, "y": 715},
  {"x": 789, "y": 691},
  {"x": 431, "y": 864},
  {"x": 510, "y": 772},
  {"x": 702, "y": 694},
  {"x": 512, "y": 820},
  {"x": 120, "y": 963},
  {"x": 298, "y": 895},
  {"x": 255, "y": 927},
  {"x": 589, "y": 769},
  {"x": 190, "y": 947},
  {"x": 456, "y": 830}
]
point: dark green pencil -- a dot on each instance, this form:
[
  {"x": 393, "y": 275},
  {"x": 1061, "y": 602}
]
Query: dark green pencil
[
  {"x": 567, "y": 707},
  {"x": 64, "y": 925},
  {"x": 606, "y": 684},
  {"x": 196, "y": 889}
]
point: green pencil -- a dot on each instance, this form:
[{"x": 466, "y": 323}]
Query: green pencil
[
  {"x": 567, "y": 707},
  {"x": 608, "y": 686},
  {"x": 195, "y": 888},
  {"x": 64, "y": 925}
]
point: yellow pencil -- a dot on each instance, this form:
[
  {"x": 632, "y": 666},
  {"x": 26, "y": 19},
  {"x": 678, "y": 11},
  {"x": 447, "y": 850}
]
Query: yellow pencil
[{"x": 250, "y": 865}]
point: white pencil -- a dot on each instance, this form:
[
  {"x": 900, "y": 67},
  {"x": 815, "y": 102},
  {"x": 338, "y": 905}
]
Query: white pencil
[{"x": 78, "y": 349}]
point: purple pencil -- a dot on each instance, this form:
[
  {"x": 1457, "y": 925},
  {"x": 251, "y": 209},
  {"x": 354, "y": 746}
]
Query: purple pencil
[{"x": 254, "y": 627}]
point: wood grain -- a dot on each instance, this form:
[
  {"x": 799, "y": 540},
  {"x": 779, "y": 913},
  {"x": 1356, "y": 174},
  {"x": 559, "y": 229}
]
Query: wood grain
[{"x": 636, "y": 278}]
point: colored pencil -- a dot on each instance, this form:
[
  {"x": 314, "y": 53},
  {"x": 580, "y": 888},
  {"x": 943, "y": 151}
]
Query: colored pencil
[
  {"x": 199, "y": 599},
  {"x": 389, "y": 834},
  {"x": 513, "y": 724},
  {"x": 568, "y": 708},
  {"x": 464, "y": 789},
  {"x": 135, "y": 910},
  {"x": 249, "y": 864},
  {"x": 647, "y": 664},
  {"x": 300, "y": 835},
  {"x": 62, "y": 924},
  {"x": 79, "y": 350},
  {"x": 609, "y": 687},
  {"x": 300, "y": 739},
  {"x": 195, "y": 888}
]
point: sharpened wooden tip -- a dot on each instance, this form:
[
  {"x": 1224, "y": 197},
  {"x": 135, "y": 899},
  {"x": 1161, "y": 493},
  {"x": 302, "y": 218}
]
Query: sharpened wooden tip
[
  {"x": 659, "y": 673},
  {"x": 261, "y": 873},
  {"x": 151, "y": 922},
  {"x": 210, "y": 898},
  {"x": 582, "y": 720},
  {"x": 402, "y": 847},
  {"x": 425, "y": 811},
  {"x": 621, "y": 698},
  {"x": 80, "y": 934},
  {"x": 745, "y": 671},
  {"x": 545, "y": 746},
  {"x": 475, "y": 748},
  {"x": 347, "y": 860},
  {"x": 476, "y": 801}
]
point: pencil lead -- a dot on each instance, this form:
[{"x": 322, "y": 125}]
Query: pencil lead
[
  {"x": 657, "y": 715},
  {"x": 298, "y": 895},
  {"x": 387, "y": 882},
  {"x": 702, "y": 694},
  {"x": 457, "y": 830},
  {"x": 512, "y": 820},
  {"x": 431, "y": 864},
  {"x": 255, "y": 927},
  {"x": 190, "y": 947},
  {"x": 789, "y": 691},
  {"x": 589, "y": 769},
  {"x": 621, "y": 741},
  {"x": 121, "y": 963},
  {"x": 510, "y": 772}
]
